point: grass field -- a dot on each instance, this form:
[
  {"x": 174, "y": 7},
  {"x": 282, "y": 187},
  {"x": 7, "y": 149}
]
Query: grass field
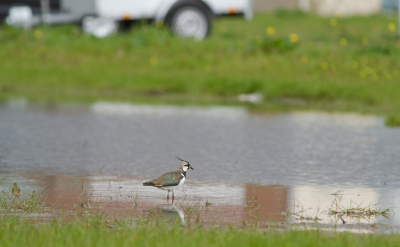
[
  {"x": 96, "y": 233},
  {"x": 296, "y": 61}
]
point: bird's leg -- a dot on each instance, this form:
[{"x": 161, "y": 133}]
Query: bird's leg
[
  {"x": 168, "y": 196},
  {"x": 173, "y": 195}
]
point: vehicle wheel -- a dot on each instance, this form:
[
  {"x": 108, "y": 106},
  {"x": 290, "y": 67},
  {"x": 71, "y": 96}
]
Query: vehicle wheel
[
  {"x": 99, "y": 26},
  {"x": 190, "y": 21}
]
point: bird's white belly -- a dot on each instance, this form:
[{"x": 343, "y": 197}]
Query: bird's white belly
[
  {"x": 172, "y": 188},
  {"x": 180, "y": 183}
]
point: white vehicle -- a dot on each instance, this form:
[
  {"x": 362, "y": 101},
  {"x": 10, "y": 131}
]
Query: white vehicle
[{"x": 186, "y": 18}]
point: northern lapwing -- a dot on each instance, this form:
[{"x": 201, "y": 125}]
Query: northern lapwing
[{"x": 172, "y": 180}]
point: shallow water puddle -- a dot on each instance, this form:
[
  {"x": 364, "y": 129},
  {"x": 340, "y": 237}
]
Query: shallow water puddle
[
  {"x": 277, "y": 170},
  {"x": 203, "y": 203}
]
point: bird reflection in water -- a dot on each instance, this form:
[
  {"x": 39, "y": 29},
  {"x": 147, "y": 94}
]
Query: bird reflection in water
[{"x": 168, "y": 212}]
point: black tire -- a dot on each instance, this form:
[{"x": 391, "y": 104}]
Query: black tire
[{"x": 190, "y": 19}]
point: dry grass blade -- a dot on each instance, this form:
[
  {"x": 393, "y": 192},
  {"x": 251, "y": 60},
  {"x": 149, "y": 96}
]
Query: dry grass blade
[{"x": 354, "y": 209}]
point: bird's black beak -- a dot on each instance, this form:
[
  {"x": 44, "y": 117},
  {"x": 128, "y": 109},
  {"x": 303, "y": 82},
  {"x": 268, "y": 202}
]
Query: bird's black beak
[{"x": 191, "y": 167}]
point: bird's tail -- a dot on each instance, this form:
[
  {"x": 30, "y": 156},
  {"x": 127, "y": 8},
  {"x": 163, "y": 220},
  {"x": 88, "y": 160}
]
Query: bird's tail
[{"x": 148, "y": 183}]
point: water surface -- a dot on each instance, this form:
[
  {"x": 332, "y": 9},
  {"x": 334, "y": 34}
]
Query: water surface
[{"x": 297, "y": 159}]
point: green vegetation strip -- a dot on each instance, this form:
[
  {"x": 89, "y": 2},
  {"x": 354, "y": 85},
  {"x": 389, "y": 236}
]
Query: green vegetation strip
[
  {"x": 296, "y": 61},
  {"x": 83, "y": 233},
  {"x": 393, "y": 120}
]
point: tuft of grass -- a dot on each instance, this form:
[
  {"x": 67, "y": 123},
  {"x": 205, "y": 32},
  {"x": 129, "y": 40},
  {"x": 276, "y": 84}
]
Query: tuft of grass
[
  {"x": 271, "y": 44},
  {"x": 355, "y": 210},
  {"x": 35, "y": 203},
  {"x": 393, "y": 120}
]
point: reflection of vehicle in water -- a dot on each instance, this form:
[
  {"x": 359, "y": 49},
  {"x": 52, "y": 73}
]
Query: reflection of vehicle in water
[
  {"x": 186, "y": 18},
  {"x": 168, "y": 212}
]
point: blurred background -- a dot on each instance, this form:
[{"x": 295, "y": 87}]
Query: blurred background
[
  {"x": 313, "y": 6},
  {"x": 264, "y": 55}
]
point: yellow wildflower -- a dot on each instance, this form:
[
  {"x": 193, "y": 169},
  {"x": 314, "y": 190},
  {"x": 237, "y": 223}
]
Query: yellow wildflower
[
  {"x": 333, "y": 22},
  {"x": 294, "y": 38},
  {"x": 270, "y": 30},
  {"x": 343, "y": 42},
  {"x": 392, "y": 27},
  {"x": 38, "y": 34}
]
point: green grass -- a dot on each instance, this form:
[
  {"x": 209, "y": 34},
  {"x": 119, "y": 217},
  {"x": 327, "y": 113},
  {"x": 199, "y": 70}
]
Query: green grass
[
  {"x": 350, "y": 66},
  {"x": 393, "y": 120},
  {"x": 91, "y": 233},
  {"x": 10, "y": 203}
]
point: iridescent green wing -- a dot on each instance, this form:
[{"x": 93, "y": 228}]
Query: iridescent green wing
[{"x": 169, "y": 179}]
